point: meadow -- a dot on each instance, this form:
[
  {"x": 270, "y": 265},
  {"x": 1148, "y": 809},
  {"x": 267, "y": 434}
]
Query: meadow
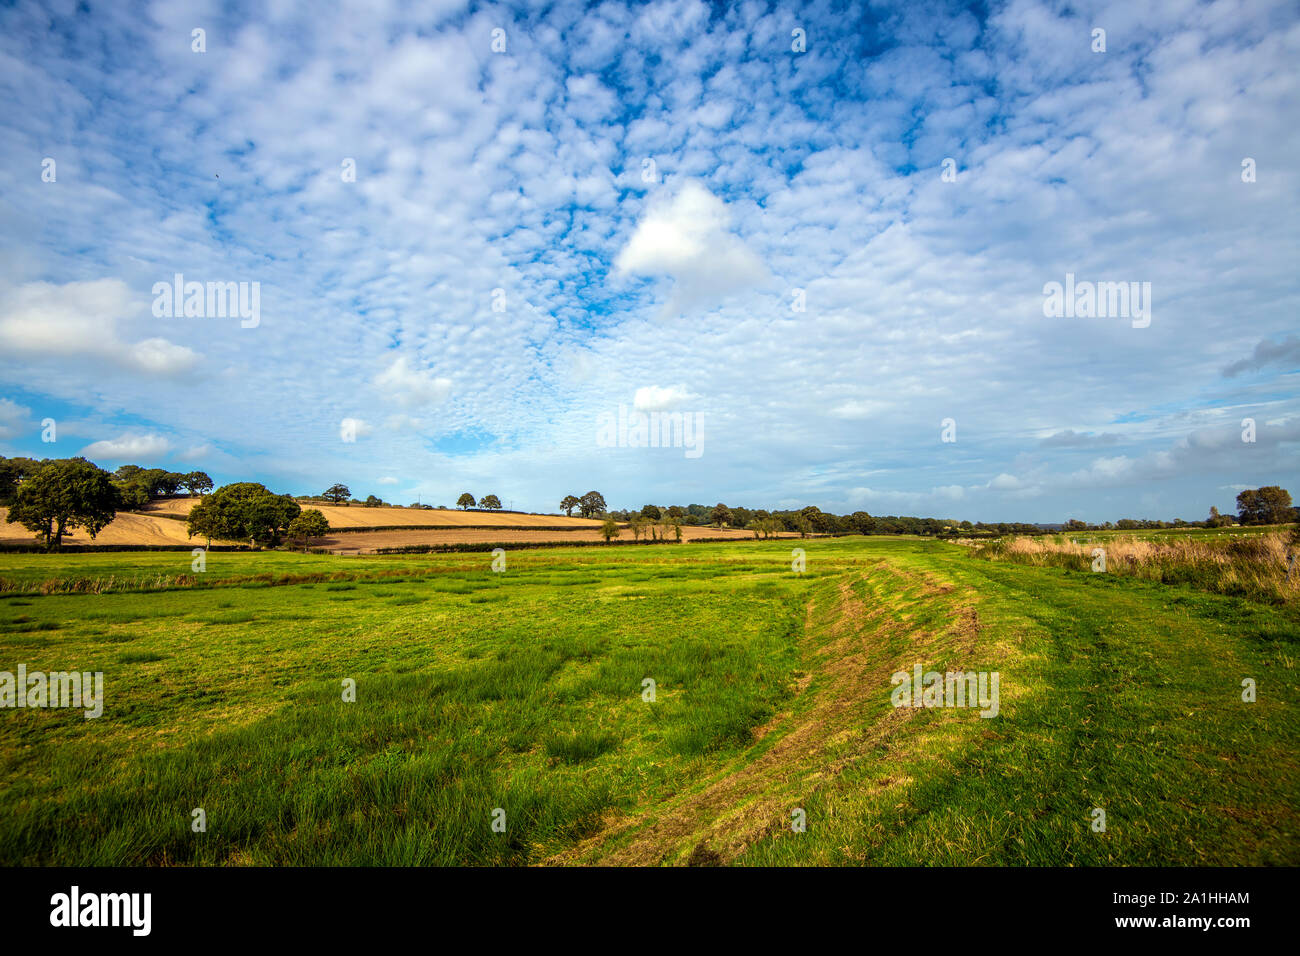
[
  {"x": 1248, "y": 562},
  {"x": 524, "y": 692}
]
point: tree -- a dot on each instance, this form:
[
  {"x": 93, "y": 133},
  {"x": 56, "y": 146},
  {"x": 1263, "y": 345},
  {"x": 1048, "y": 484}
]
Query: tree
[
  {"x": 64, "y": 495},
  {"x": 1267, "y": 505},
  {"x": 1277, "y": 505},
  {"x": 652, "y": 512},
  {"x": 160, "y": 482},
  {"x": 817, "y": 519},
  {"x": 592, "y": 504},
  {"x": 609, "y": 529},
  {"x": 337, "y": 493},
  {"x": 465, "y": 501},
  {"x": 675, "y": 523},
  {"x": 637, "y": 526},
  {"x": 721, "y": 514},
  {"x": 862, "y": 523},
  {"x": 197, "y": 483},
  {"x": 1248, "y": 506},
  {"x": 310, "y": 524},
  {"x": 204, "y": 522},
  {"x": 371, "y": 502},
  {"x": 491, "y": 502},
  {"x": 568, "y": 504},
  {"x": 13, "y": 472},
  {"x": 133, "y": 494},
  {"x": 244, "y": 510}
]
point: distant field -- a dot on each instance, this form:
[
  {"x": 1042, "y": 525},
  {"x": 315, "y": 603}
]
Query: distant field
[
  {"x": 343, "y": 516},
  {"x": 454, "y": 527},
  {"x": 522, "y": 692},
  {"x": 369, "y": 541},
  {"x": 126, "y": 528}
]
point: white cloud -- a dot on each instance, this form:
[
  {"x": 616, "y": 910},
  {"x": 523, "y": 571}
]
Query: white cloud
[
  {"x": 859, "y": 409},
  {"x": 687, "y": 238},
  {"x": 14, "y": 418},
  {"x": 135, "y": 449},
  {"x": 938, "y": 496},
  {"x": 388, "y": 480},
  {"x": 410, "y": 386},
  {"x": 351, "y": 429},
  {"x": 195, "y": 453},
  {"x": 80, "y": 319},
  {"x": 654, "y": 398},
  {"x": 158, "y": 357},
  {"x": 1069, "y": 438}
]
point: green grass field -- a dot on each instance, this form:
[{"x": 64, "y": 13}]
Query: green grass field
[{"x": 522, "y": 692}]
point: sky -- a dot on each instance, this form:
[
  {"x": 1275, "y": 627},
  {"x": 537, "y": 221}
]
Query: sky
[{"x": 825, "y": 235}]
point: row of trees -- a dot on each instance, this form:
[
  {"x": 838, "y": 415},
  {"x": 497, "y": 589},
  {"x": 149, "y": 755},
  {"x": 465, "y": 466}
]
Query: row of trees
[
  {"x": 340, "y": 493},
  {"x": 161, "y": 483},
  {"x": 809, "y": 520},
  {"x": 490, "y": 502},
  {"x": 590, "y": 505},
  {"x": 137, "y": 485},
  {"x": 248, "y": 511},
  {"x": 655, "y": 529},
  {"x": 1268, "y": 505},
  {"x": 1255, "y": 506}
]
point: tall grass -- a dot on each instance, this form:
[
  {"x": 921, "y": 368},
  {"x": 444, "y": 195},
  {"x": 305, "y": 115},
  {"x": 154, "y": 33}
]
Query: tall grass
[{"x": 1253, "y": 567}]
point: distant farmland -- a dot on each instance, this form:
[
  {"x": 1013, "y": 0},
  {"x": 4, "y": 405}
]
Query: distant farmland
[
  {"x": 357, "y": 516},
  {"x": 161, "y": 523}
]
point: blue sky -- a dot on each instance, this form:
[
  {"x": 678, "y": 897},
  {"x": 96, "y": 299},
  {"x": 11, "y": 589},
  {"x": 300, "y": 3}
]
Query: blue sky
[{"x": 625, "y": 206}]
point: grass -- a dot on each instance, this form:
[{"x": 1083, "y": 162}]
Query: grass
[
  {"x": 522, "y": 692},
  {"x": 1254, "y": 566}
]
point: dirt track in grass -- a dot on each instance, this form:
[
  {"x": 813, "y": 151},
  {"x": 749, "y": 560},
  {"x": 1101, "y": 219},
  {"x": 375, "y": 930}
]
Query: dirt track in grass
[{"x": 815, "y": 738}]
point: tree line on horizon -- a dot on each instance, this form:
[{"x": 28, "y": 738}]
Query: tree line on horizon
[
  {"x": 1268, "y": 505},
  {"x": 340, "y": 494},
  {"x": 51, "y": 497}
]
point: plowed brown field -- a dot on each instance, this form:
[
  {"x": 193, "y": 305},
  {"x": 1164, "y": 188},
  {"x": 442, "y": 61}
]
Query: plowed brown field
[
  {"x": 343, "y": 516},
  {"x": 360, "y": 542},
  {"x": 152, "y": 528},
  {"x": 126, "y": 528}
]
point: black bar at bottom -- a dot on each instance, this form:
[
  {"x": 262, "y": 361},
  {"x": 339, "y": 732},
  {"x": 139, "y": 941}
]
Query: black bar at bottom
[{"x": 332, "y": 906}]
